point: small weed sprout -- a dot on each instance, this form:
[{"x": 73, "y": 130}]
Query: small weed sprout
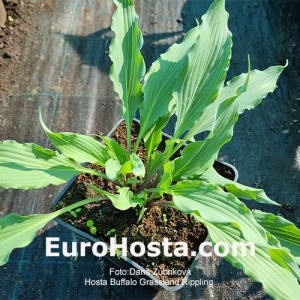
[
  {"x": 110, "y": 232},
  {"x": 165, "y": 218},
  {"x": 90, "y": 224},
  {"x": 118, "y": 253},
  {"x": 75, "y": 212}
]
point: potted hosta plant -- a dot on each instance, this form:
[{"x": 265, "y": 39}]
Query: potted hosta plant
[{"x": 151, "y": 173}]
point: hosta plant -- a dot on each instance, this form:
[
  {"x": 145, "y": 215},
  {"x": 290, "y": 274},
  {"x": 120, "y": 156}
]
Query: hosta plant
[{"x": 187, "y": 81}]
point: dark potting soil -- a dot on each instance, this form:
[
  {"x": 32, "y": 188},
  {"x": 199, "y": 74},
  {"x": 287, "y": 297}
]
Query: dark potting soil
[{"x": 157, "y": 223}]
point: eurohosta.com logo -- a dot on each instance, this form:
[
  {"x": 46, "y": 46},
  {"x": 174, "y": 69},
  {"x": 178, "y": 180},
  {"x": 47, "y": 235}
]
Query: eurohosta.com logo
[{"x": 54, "y": 247}]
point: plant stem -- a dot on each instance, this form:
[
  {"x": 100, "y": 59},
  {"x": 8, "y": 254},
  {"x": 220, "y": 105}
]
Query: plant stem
[
  {"x": 142, "y": 212},
  {"x": 158, "y": 178},
  {"x": 169, "y": 151},
  {"x": 137, "y": 143},
  {"x": 128, "y": 129},
  {"x": 175, "y": 149},
  {"x": 96, "y": 173},
  {"x": 148, "y": 179},
  {"x": 150, "y": 176}
]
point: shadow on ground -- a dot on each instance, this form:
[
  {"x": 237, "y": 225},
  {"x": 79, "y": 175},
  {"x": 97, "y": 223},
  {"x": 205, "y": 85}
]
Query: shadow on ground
[{"x": 93, "y": 48}]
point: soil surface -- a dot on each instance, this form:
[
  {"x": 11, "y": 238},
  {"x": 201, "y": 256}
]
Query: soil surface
[
  {"x": 20, "y": 24},
  {"x": 157, "y": 223}
]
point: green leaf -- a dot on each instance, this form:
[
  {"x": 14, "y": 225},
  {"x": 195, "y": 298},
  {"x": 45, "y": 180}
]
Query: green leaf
[
  {"x": 126, "y": 168},
  {"x": 93, "y": 230},
  {"x": 229, "y": 221},
  {"x": 115, "y": 148},
  {"x": 29, "y": 166},
  {"x": 237, "y": 189},
  {"x": 198, "y": 156},
  {"x": 209, "y": 116},
  {"x": 122, "y": 201},
  {"x": 19, "y": 231},
  {"x": 153, "y": 137},
  {"x": 79, "y": 147},
  {"x": 89, "y": 223},
  {"x": 134, "y": 165},
  {"x": 166, "y": 179},
  {"x": 128, "y": 66},
  {"x": 133, "y": 181},
  {"x": 112, "y": 168},
  {"x": 286, "y": 260},
  {"x": 274, "y": 267},
  {"x": 261, "y": 83},
  {"x": 205, "y": 70},
  {"x": 157, "y": 97},
  {"x": 138, "y": 168},
  {"x": 283, "y": 230},
  {"x": 216, "y": 206},
  {"x": 155, "y": 161},
  {"x": 154, "y": 190}
]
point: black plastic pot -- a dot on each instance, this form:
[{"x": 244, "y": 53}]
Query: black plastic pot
[{"x": 125, "y": 262}]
